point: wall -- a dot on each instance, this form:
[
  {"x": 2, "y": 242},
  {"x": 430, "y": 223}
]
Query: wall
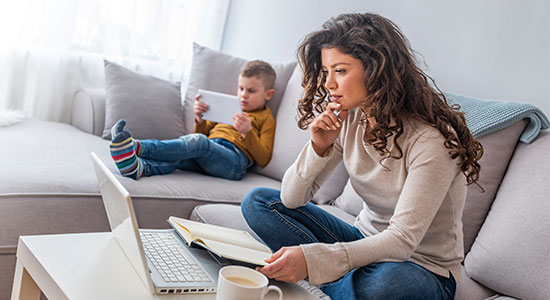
[{"x": 492, "y": 49}]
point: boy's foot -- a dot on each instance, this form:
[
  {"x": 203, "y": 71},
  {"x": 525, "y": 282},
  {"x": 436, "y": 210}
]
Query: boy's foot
[
  {"x": 118, "y": 128},
  {"x": 124, "y": 153}
]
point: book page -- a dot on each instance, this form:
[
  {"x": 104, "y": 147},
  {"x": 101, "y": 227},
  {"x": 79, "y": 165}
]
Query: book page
[
  {"x": 235, "y": 252},
  {"x": 217, "y": 233}
]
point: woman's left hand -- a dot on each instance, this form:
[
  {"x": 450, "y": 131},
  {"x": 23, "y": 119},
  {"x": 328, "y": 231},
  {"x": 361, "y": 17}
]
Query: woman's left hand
[{"x": 288, "y": 264}]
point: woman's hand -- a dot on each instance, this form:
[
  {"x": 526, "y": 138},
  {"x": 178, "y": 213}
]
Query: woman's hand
[
  {"x": 199, "y": 108},
  {"x": 241, "y": 122},
  {"x": 326, "y": 127},
  {"x": 288, "y": 264}
]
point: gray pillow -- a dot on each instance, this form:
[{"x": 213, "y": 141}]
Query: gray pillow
[
  {"x": 498, "y": 148},
  {"x": 349, "y": 200},
  {"x": 151, "y": 106},
  {"x": 289, "y": 139},
  {"x": 215, "y": 71},
  {"x": 511, "y": 254},
  {"x": 333, "y": 186}
]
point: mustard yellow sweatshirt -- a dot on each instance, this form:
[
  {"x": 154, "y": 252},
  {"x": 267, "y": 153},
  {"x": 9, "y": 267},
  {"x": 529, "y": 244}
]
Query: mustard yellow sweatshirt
[{"x": 257, "y": 144}]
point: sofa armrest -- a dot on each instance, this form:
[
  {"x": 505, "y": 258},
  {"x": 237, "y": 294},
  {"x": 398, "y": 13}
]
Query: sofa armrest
[{"x": 88, "y": 112}]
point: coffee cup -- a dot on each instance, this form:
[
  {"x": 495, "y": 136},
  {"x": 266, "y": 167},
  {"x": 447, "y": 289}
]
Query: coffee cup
[{"x": 242, "y": 283}]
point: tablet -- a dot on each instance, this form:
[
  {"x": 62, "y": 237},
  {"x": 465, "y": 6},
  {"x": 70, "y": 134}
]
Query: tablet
[{"x": 221, "y": 107}]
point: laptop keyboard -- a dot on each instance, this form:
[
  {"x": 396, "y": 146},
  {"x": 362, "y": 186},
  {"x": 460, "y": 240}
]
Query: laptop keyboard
[{"x": 167, "y": 255}]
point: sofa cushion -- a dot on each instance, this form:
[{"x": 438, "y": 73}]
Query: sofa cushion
[
  {"x": 333, "y": 187},
  {"x": 511, "y": 253},
  {"x": 151, "y": 106},
  {"x": 340, "y": 213},
  {"x": 215, "y": 71},
  {"x": 498, "y": 148},
  {"x": 469, "y": 289},
  {"x": 349, "y": 201},
  {"x": 50, "y": 171}
]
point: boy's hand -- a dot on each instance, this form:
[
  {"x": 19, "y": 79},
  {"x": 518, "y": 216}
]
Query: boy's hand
[
  {"x": 326, "y": 127},
  {"x": 288, "y": 264},
  {"x": 199, "y": 108},
  {"x": 241, "y": 122}
]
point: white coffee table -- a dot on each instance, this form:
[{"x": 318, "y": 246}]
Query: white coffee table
[{"x": 90, "y": 266}]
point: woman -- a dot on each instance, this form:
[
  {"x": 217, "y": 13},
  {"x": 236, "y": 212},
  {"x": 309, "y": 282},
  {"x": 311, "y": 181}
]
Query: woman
[{"x": 409, "y": 156}]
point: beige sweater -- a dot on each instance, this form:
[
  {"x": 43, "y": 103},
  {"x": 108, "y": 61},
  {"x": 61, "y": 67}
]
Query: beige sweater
[{"x": 412, "y": 210}]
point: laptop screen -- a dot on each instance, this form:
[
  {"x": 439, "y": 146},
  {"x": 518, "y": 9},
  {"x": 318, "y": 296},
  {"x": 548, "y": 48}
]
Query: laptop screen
[{"x": 122, "y": 219}]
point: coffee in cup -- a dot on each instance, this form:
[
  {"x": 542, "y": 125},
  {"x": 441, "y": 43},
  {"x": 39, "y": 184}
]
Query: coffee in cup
[{"x": 242, "y": 283}]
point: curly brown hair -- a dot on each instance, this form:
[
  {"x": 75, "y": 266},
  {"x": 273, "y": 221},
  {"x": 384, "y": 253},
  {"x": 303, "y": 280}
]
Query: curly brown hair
[{"x": 396, "y": 87}]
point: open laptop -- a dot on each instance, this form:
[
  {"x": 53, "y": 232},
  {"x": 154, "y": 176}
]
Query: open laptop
[{"x": 165, "y": 264}]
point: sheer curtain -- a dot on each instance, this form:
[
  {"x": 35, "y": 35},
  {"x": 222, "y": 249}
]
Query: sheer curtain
[{"x": 50, "y": 49}]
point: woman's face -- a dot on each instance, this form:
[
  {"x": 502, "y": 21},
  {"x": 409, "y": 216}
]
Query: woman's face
[{"x": 344, "y": 74}]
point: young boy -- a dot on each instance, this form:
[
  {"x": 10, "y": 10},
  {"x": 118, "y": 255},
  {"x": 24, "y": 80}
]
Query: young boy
[{"x": 215, "y": 149}]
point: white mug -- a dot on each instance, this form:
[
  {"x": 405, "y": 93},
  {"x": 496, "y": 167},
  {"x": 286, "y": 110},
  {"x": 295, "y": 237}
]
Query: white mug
[{"x": 242, "y": 283}]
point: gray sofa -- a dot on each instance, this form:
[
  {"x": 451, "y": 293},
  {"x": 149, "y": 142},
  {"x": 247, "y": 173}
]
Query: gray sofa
[{"x": 47, "y": 185}]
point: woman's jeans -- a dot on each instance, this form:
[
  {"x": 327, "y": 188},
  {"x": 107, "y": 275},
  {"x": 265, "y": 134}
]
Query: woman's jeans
[
  {"x": 193, "y": 152},
  {"x": 279, "y": 226}
]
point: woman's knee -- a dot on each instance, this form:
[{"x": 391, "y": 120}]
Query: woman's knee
[
  {"x": 256, "y": 199},
  {"x": 394, "y": 280}
]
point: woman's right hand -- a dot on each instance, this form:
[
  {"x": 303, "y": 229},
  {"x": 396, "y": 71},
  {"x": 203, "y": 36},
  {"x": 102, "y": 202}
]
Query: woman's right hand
[
  {"x": 199, "y": 108},
  {"x": 326, "y": 127}
]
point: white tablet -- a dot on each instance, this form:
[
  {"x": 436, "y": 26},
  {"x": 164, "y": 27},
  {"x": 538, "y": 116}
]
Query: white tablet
[{"x": 221, "y": 107}]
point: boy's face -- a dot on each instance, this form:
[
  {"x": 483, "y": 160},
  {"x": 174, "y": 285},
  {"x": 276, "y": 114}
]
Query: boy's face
[{"x": 252, "y": 93}]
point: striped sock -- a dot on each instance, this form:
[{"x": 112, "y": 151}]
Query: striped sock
[
  {"x": 124, "y": 155},
  {"x": 118, "y": 128}
]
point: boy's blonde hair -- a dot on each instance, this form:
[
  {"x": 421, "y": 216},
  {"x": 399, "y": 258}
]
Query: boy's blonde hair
[{"x": 262, "y": 70}]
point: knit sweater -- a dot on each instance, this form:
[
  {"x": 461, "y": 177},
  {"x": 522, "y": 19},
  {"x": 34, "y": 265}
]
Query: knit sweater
[
  {"x": 412, "y": 206},
  {"x": 258, "y": 142}
]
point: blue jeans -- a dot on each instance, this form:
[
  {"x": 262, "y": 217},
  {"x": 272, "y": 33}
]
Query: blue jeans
[
  {"x": 193, "y": 152},
  {"x": 279, "y": 226}
]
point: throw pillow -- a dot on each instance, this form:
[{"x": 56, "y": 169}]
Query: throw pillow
[
  {"x": 219, "y": 72},
  {"x": 511, "y": 254},
  {"x": 498, "y": 148},
  {"x": 151, "y": 106},
  {"x": 289, "y": 139},
  {"x": 349, "y": 200}
]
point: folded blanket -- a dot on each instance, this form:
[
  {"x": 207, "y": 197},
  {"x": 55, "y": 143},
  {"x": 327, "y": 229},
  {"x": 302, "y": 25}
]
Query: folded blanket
[
  {"x": 10, "y": 117},
  {"x": 486, "y": 116}
]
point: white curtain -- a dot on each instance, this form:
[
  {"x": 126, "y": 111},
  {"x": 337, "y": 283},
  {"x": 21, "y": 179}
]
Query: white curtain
[{"x": 50, "y": 49}]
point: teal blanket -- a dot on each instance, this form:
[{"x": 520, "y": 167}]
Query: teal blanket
[{"x": 486, "y": 116}]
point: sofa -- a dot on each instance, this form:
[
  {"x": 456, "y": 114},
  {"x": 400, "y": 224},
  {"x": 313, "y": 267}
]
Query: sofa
[{"x": 48, "y": 186}]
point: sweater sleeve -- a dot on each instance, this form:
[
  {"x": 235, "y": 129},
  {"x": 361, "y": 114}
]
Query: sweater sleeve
[
  {"x": 304, "y": 177},
  {"x": 430, "y": 174},
  {"x": 204, "y": 127},
  {"x": 260, "y": 146}
]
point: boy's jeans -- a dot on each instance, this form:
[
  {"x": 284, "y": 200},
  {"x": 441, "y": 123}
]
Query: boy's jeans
[
  {"x": 279, "y": 226},
  {"x": 194, "y": 152}
]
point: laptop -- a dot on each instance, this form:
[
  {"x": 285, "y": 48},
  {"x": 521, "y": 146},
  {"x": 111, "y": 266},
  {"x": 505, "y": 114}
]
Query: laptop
[{"x": 165, "y": 264}]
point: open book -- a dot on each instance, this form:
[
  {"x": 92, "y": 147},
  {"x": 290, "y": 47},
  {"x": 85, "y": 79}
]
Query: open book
[{"x": 225, "y": 242}]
